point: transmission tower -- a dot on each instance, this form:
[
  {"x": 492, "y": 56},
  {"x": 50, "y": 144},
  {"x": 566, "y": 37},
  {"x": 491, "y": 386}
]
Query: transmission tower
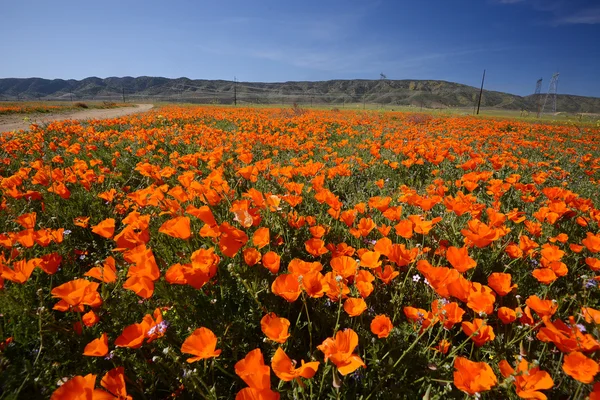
[
  {"x": 538, "y": 97},
  {"x": 552, "y": 89}
]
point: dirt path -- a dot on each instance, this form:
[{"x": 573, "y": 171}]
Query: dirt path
[{"x": 17, "y": 122}]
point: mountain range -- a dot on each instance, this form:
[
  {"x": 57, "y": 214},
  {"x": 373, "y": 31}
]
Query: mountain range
[{"x": 417, "y": 93}]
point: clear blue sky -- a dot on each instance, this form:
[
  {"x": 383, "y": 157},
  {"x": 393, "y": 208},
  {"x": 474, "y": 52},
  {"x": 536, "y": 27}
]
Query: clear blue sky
[{"x": 517, "y": 41}]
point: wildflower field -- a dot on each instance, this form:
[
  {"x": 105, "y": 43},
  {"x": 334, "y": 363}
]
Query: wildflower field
[
  {"x": 30, "y": 107},
  {"x": 269, "y": 253}
]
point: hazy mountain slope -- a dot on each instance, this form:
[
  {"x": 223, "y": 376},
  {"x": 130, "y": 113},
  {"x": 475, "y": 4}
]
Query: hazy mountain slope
[{"x": 426, "y": 93}]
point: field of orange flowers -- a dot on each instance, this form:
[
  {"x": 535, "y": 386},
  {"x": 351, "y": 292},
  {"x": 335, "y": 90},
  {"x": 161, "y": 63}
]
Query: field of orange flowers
[
  {"x": 267, "y": 253},
  {"x": 30, "y": 107}
]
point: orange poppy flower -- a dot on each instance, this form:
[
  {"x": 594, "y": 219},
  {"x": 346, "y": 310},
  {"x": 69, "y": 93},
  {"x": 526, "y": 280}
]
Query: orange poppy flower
[
  {"x": 275, "y": 328},
  {"x": 566, "y": 338},
  {"x": 314, "y": 284},
  {"x": 143, "y": 273},
  {"x": 27, "y": 221},
  {"x": 231, "y": 239},
  {"x": 261, "y": 237},
  {"x": 256, "y": 394},
  {"x": 593, "y": 263},
  {"x": 271, "y": 261},
  {"x": 473, "y": 377},
  {"x": 97, "y": 347},
  {"x": 365, "y": 226},
  {"x": 501, "y": 283},
  {"x": 370, "y": 259},
  {"x": 591, "y": 315},
  {"x": 544, "y": 275},
  {"x": 75, "y": 294},
  {"x": 317, "y": 231},
  {"x": 443, "y": 346},
  {"x": 50, "y": 263},
  {"x": 20, "y": 272},
  {"x": 315, "y": 247},
  {"x": 344, "y": 266},
  {"x": 420, "y": 316},
  {"x": 300, "y": 267},
  {"x": 90, "y": 318},
  {"x": 251, "y": 256},
  {"x": 253, "y": 371},
  {"x": 178, "y": 227},
  {"x": 114, "y": 382},
  {"x": 340, "y": 351},
  {"x": 507, "y": 315},
  {"x": 528, "y": 380},
  {"x": 482, "y": 333},
  {"x": 449, "y": 314},
  {"x": 404, "y": 228},
  {"x": 201, "y": 343},
  {"x": 479, "y": 233},
  {"x": 595, "y": 395},
  {"x": 78, "y": 387},
  {"x": 105, "y": 228},
  {"x": 285, "y": 369},
  {"x": 459, "y": 259},
  {"x": 481, "y": 299},
  {"x": 202, "y": 213},
  {"x": 355, "y": 306},
  {"x": 544, "y": 308},
  {"x": 381, "y": 326},
  {"x": 580, "y": 367},
  {"x": 592, "y": 242},
  {"x": 336, "y": 288},
  {"x": 286, "y": 286},
  {"x": 106, "y": 273},
  {"x": 387, "y": 274},
  {"x": 82, "y": 222}
]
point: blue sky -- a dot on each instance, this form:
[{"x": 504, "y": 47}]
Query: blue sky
[{"x": 516, "y": 41}]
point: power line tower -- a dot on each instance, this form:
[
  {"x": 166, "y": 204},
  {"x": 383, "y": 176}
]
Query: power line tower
[
  {"x": 552, "y": 89},
  {"x": 537, "y": 96},
  {"x": 234, "y": 91}
]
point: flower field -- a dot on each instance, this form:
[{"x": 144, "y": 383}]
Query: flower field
[
  {"x": 30, "y": 107},
  {"x": 222, "y": 253}
]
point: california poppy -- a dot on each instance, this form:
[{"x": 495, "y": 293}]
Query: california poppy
[
  {"x": 459, "y": 259},
  {"x": 271, "y": 261},
  {"x": 286, "y": 286},
  {"x": 97, "y": 347},
  {"x": 473, "y": 377},
  {"x": 479, "y": 331},
  {"x": 78, "y": 387},
  {"x": 286, "y": 370},
  {"x": 275, "y": 328},
  {"x": 354, "y": 306},
  {"x": 114, "y": 384},
  {"x": 381, "y": 326},
  {"x": 105, "y": 228},
  {"x": 253, "y": 371},
  {"x": 580, "y": 367},
  {"x": 529, "y": 380},
  {"x": 178, "y": 227},
  {"x": 501, "y": 283},
  {"x": 201, "y": 343},
  {"x": 340, "y": 351}
]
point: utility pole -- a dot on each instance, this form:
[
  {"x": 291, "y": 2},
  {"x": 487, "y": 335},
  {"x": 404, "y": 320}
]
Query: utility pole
[
  {"x": 538, "y": 96},
  {"x": 234, "y": 91},
  {"x": 480, "y": 92},
  {"x": 123, "y": 93}
]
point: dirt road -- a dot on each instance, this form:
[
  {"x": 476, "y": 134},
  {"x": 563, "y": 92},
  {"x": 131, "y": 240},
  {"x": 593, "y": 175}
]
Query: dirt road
[{"x": 17, "y": 122}]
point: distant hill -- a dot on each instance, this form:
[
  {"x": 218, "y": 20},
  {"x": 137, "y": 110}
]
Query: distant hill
[{"x": 425, "y": 93}]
